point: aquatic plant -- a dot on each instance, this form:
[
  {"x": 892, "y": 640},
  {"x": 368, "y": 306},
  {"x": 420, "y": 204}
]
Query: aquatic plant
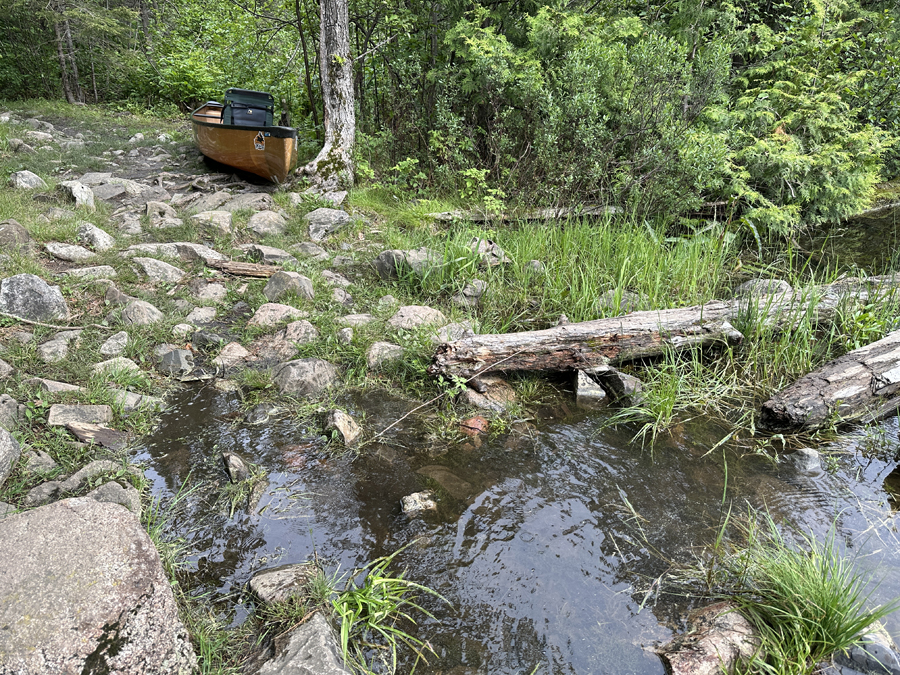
[{"x": 371, "y": 616}]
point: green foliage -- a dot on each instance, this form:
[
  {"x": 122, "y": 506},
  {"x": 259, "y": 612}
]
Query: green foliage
[
  {"x": 372, "y": 615},
  {"x": 806, "y": 600}
]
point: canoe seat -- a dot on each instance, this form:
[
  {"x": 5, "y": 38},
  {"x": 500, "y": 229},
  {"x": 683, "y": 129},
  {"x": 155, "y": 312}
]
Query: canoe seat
[{"x": 244, "y": 107}]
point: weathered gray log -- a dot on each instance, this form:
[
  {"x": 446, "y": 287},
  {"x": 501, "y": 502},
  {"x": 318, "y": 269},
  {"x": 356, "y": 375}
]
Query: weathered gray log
[
  {"x": 577, "y": 346},
  {"x": 861, "y": 385}
]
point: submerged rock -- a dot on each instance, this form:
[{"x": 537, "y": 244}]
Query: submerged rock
[
  {"x": 719, "y": 637},
  {"x": 417, "y": 502}
]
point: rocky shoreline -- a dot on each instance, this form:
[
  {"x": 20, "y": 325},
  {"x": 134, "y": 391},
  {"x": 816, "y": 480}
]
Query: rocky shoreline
[{"x": 120, "y": 285}]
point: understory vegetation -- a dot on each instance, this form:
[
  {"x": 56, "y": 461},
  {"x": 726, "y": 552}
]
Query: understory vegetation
[{"x": 772, "y": 116}]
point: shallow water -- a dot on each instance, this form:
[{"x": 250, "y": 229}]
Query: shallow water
[{"x": 548, "y": 538}]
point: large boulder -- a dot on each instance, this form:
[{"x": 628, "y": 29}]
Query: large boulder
[
  {"x": 31, "y": 298},
  {"x": 305, "y": 377},
  {"x": 82, "y": 590}
]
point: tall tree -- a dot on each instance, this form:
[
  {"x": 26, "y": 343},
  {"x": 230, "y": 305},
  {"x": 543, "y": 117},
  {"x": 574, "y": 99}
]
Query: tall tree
[{"x": 333, "y": 166}]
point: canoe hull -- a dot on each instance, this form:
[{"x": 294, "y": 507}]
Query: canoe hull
[{"x": 268, "y": 152}]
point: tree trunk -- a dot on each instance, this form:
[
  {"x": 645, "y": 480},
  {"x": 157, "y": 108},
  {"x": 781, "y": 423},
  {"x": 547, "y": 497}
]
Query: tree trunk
[
  {"x": 63, "y": 71},
  {"x": 333, "y": 167},
  {"x": 861, "y": 385},
  {"x": 577, "y": 346},
  {"x": 309, "y": 89},
  {"x": 70, "y": 55}
]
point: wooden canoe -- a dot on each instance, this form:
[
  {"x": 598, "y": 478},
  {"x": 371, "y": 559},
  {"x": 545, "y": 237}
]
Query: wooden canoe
[{"x": 267, "y": 151}]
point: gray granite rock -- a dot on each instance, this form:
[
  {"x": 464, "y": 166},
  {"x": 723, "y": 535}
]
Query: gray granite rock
[
  {"x": 323, "y": 222},
  {"x": 305, "y": 377},
  {"x": 391, "y": 264},
  {"x": 414, "y": 316},
  {"x": 210, "y": 202},
  {"x": 335, "y": 279},
  {"x": 471, "y": 294},
  {"x": 310, "y": 649},
  {"x": 283, "y": 283},
  {"x": 76, "y": 192},
  {"x": 250, "y": 201},
  {"x": 159, "y": 271},
  {"x": 14, "y": 237},
  {"x": 273, "y": 313},
  {"x": 141, "y": 313},
  {"x": 200, "y": 315},
  {"x": 115, "y": 344},
  {"x": 117, "y": 364},
  {"x": 9, "y": 454},
  {"x": 804, "y": 459},
  {"x": 232, "y": 355},
  {"x": 96, "y": 272},
  {"x": 9, "y": 412},
  {"x": 345, "y": 335},
  {"x": 218, "y": 221},
  {"x": 38, "y": 461},
  {"x": 61, "y": 414},
  {"x": 264, "y": 223},
  {"x": 113, "y": 492},
  {"x": 177, "y": 362},
  {"x": 489, "y": 392},
  {"x": 68, "y": 252},
  {"x": 307, "y": 249},
  {"x": 282, "y": 583},
  {"x": 94, "y": 237},
  {"x": 382, "y": 353},
  {"x": 92, "y": 575},
  {"x": 26, "y": 180},
  {"x": 267, "y": 254},
  {"x": 31, "y": 298},
  {"x": 5, "y": 370}
]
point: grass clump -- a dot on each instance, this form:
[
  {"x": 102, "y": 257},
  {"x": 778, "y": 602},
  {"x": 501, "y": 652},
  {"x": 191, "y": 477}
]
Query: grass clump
[
  {"x": 372, "y": 617},
  {"x": 807, "y": 600}
]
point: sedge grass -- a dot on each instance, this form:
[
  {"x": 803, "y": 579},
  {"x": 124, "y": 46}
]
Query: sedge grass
[{"x": 806, "y": 600}]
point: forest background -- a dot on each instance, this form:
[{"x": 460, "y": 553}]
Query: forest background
[{"x": 773, "y": 114}]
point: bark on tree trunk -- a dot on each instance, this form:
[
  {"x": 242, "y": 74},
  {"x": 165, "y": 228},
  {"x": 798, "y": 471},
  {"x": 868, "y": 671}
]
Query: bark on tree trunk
[
  {"x": 63, "y": 71},
  {"x": 862, "y": 385},
  {"x": 70, "y": 55},
  {"x": 333, "y": 167},
  {"x": 577, "y": 346}
]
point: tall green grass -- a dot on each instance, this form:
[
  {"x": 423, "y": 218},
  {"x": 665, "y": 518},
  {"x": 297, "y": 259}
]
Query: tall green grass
[{"x": 807, "y": 600}]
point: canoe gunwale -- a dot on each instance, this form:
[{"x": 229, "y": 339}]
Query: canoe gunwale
[{"x": 276, "y": 132}]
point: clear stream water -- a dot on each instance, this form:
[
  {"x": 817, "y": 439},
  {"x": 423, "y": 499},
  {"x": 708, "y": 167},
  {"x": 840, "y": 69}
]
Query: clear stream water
[{"x": 536, "y": 542}]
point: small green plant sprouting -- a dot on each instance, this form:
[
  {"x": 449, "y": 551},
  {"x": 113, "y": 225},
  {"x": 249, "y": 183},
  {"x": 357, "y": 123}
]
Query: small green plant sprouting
[{"x": 370, "y": 614}]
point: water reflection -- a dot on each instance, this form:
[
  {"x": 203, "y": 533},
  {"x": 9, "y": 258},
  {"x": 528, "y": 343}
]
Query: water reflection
[{"x": 547, "y": 542}]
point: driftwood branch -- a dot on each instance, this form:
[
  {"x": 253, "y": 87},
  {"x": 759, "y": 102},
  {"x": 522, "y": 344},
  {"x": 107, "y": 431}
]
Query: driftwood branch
[{"x": 54, "y": 327}]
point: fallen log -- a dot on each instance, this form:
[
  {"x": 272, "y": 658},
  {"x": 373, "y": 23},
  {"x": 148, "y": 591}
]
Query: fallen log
[
  {"x": 578, "y": 346},
  {"x": 861, "y": 385}
]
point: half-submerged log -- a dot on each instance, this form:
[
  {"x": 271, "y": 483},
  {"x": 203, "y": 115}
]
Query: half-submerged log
[
  {"x": 577, "y": 346},
  {"x": 862, "y": 385}
]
